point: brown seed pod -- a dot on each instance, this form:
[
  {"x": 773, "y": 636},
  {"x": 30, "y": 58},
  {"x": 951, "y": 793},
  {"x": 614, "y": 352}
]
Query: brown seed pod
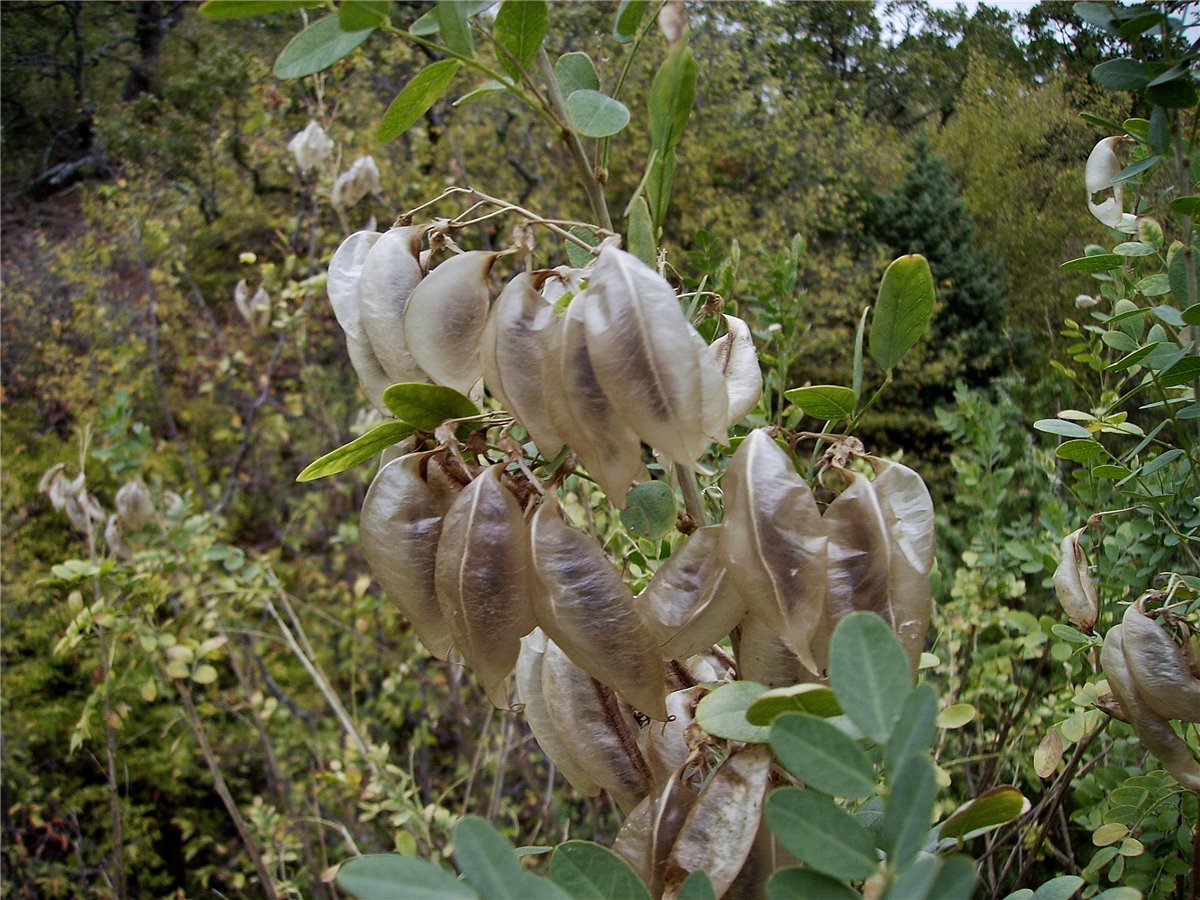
[
  {"x": 1073, "y": 585},
  {"x": 737, "y": 361},
  {"x": 390, "y": 272},
  {"x": 764, "y": 658},
  {"x": 649, "y": 831},
  {"x": 664, "y": 744},
  {"x": 1159, "y": 669}
]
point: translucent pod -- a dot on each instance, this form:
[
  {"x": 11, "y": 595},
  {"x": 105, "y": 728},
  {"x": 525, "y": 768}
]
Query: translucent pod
[
  {"x": 446, "y": 486},
  {"x": 445, "y": 318},
  {"x": 557, "y": 748},
  {"x": 390, "y": 272},
  {"x": 648, "y": 833},
  {"x": 1153, "y": 730},
  {"x": 1073, "y": 585},
  {"x": 764, "y": 658},
  {"x": 773, "y": 541},
  {"x": 593, "y": 718},
  {"x": 664, "y": 744},
  {"x": 345, "y": 272},
  {"x": 1159, "y": 669},
  {"x": 644, "y": 354},
  {"x": 1102, "y": 167},
  {"x": 399, "y": 528},
  {"x": 737, "y": 360},
  {"x": 691, "y": 602},
  {"x": 723, "y": 823},
  {"x": 484, "y": 579},
  {"x": 584, "y": 416},
  {"x": 589, "y": 611},
  {"x": 519, "y": 345},
  {"x": 372, "y": 379}
]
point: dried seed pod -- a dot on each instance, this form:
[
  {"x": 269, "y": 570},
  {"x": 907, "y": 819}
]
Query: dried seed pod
[
  {"x": 723, "y": 823},
  {"x": 649, "y": 831},
  {"x": 519, "y": 346},
  {"x": 134, "y": 505},
  {"x": 399, "y": 527},
  {"x": 737, "y": 359},
  {"x": 389, "y": 274},
  {"x": 589, "y": 611},
  {"x": 484, "y": 579},
  {"x": 664, "y": 744},
  {"x": 1073, "y": 585},
  {"x": 558, "y": 748},
  {"x": 345, "y": 271},
  {"x": 764, "y": 658},
  {"x": 596, "y": 721},
  {"x": 114, "y": 536},
  {"x": 1153, "y": 730},
  {"x": 691, "y": 602},
  {"x": 773, "y": 541},
  {"x": 1102, "y": 167},
  {"x": 1159, "y": 669},
  {"x": 445, "y": 317}
]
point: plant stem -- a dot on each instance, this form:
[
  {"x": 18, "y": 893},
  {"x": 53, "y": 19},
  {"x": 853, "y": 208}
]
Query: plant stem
[{"x": 693, "y": 502}]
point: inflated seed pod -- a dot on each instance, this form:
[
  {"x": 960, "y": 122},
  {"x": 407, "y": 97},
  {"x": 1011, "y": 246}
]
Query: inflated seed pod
[
  {"x": 664, "y": 744},
  {"x": 560, "y": 749},
  {"x": 764, "y": 658},
  {"x": 773, "y": 541},
  {"x": 518, "y": 347},
  {"x": 649, "y": 831},
  {"x": 589, "y": 611},
  {"x": 442, "y": 480},
  {"x": 737, "y": 360},
  {"x": 345, "y": 272},
  {"x": 484, "y": 579},
  {"x": 691, "y": 602},
  {"x": 723, "y": 823},
  {"x": 1153, "y": 730},
  {"x": 1159, "y": 669},
  {"x": 445, "y": 318},
  {"x": 399, "y": 528},
  {"x": 390, "y": 272},
  {"x": 604, "y": 730},
  {"x": 1073, "y": 585}
]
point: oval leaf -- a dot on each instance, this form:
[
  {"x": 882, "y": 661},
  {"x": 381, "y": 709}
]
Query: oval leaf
[
  {"x": 723, "y": 713},
  {"x": 318, "y": 47},
  {"x": 902, "y": 309},
  {"x": 240, "y": 9},
  {"x": 788, "y": 884},
  {"x": 426, "y": 406},
  {"x": 1101, "y": 262},
  {"x": 1061, "y": 428},
  {"x": 416, "y": 97},
  {"x": 649, "y": 510},
  {"x": 824, "y": 401},
  {"x": 822, "y": 756},
  {"x": 988, "y": 811},
  {"x": 588, "y": 871},
  {"x": 596, "y": 115},
  {"x": 814, "y": 699},
  {"x": 364, "y": 447},
  {"x": 520, "y": 29},
  {"x": 576, "y": 71},
  {"x": 817, "y": 831},
  {"x": 869, "y": 672},
  {"x": 390, "y": 876}
]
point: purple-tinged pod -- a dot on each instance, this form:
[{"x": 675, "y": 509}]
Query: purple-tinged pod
[
  {"x": 664, "y": 744},
  {"x": 390, "y": 272},
  {"x": 484, "y": 579},
  {"x": 589, "y": 611},
  {"x": 773, "y": 541},
  {"x": 399, "y": 528},
  {"x": 1159, "y": 669},
  {"x": 591, "y": 716},
  {"x": 649, "y": 831},
  {"x": 691, "y": 602},
  {"x": 1073, "y": 585}
]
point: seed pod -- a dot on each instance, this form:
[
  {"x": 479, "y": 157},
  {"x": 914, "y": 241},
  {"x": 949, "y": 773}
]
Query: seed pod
[
  {"x": 345, "y": 271},
  {"x": 599, "y": 725},
  {"x": 134, "y": 505},
  {"x": 1159, "y": 669},
  {"x": 519, "y": 345},
  {"x": 445, "y": 317},
  {"x": 723, "y": 823},
  {"x": 664, "y": 744},
  {"x": 399, "y": 528},
  {"x": 691, "y": 603},
  {"x": 114, "y": 536},
  {"x": 649, "y": 831},
  {"x": 764, "y": 658},
  {"x": 483, "y": 577},
  {"x": 1154, "y": 731},
  {"x": 588, "y": 610},
  {"x": 737, "y": 359},
  {"x": 1102, "y": 167},
  {"x": 558, "y": 748},
  {"x": 1073, "y": 585},
  {"x": 390, "y": 272},
  {"x": 773, "y": 541}
]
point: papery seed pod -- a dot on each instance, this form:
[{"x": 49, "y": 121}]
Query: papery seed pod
[
  {"x": 764, "y": 658},
  {"x": 773, "y": 541},
  {"x": 390, "y": 272},
  {"x": 399, "y": 527},
  {"x": 664, "y": 744},
  {"x": 446, "y": 477},
  {"x": 1159, "y": 669},
  {"x": 114, "y": 536},
  {"x": 714, "y": 394},
  {"x": 649, "y": 831},
  {"x": 592, "y": 716},
  {"x": 642, "y": 351},
  {"x": 559, "y": 749},
  {"x": 134, "y": 505},
  {"x": 565, "y": 281},
  {"x": 589, "y": 611},
  {"x": 691, "y": 602},
  {"x": 53, "y": 484},
  {"x": 519, "y": 347},
  {"x": 723, "y": 823},
  {"x": 673, "y": 21},
  {"x": 1073, "y": 585},
  {"x": 255, "y": 309},
  {"x": 361, "y": 179},
  {"x": 584, "y": 416},
  {"x": 484, "y": 579},
  {"x": 1102, "y": 166},
  {"x": 734, "y": 353},
  {"x": 1154, "y": 731},
  {"x": 310, "y": 147},
  {"x": 345, "y": 271}
]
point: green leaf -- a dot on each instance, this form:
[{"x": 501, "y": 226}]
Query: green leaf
[
  {"x": 427, "y": 24},
  {"x": 1131, "y": 28},
  {"x": 318, "y": 47},
  {"x": 1136, "y": 168},
  {"x": 671, "y": 97},
  {"x": 723, "y": 713},
  {"x": 628, "y": 17},
  {"x": 1133, "y": 249},
  {"x": 361, "y": 448},
  {"x": 204, "y": 674},
  {"x": 1154, "y": 285},
  {"x": 426, "y": 406},
  {"x": 520, "y": 29},
  {"x": 1101, "y": 262},
  {"x": 1111, "y": 471},
  {"x": 1061, "y": 888},
  {"x": 240, "y": 9},
  {"x": 574, "y": 72},
  {"x": 869, "y": 673},
  {"x": 822, "y": 756},
  {"x": 1177, "y": 274},
  {"x": 640, "y": 234},
  {"x": 1121, "y": 75},
  {"x": 659, "y": 182},
  {"x": 817, "y": 831},
  {"x": 1061, "y": 428},
  {"x": 902, "y": 309},
  {"x": 1168, "y": 314},
  {"x": 987, "y": 812},
  {"x": 1163, "y": 459},
  {"x": 416, "y": 98},
  {"x": 793, "y": 883},
  {"x": 1183, "y": 372},
  {"x": 815, "y": 699},
  {"x": 908, "y": 812},
  {"x": 487, "y": 859},
  {"x": 697, "y": 886},
  {"x": 391, "y": 876},
  {"x": 649, "y": 510},
  {"x": 956, "y": 880},
  {"x": 356, "y": 14},
  {"x": 1079, "y": 450},
  {"x": 1098, "y": 14},
  {"x": 488, "y": 87},
  {"x": 916, "y": 881},
  {"x": 1178, "y": 94},
  {"x": 588, "y": 871},
  {"x": 455, "y": 28},
  {"x": 1186, "y": 206},
  {"x": 596, "y": 115},
  {"x": 915, "y": 729},
  {"x": 1126, "y": 362},
  {"x": 824, "y": 401}
]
